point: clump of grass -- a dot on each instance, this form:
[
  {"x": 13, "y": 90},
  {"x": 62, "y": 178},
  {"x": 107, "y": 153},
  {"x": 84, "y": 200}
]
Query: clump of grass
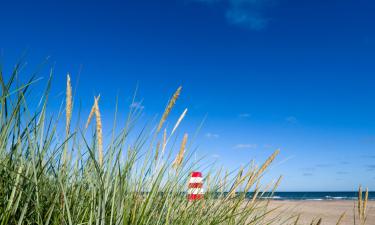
[{"x": 126, "y": 182}]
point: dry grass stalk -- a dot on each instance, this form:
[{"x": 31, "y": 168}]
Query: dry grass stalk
[
  {"x": 169, "y": 108},
  {"x": 224, "y": 182},
  {"x": 237, "y": 182},
  {"x": 277, "y": 183},
  {"x": 365, "y": 205},
  {"x": 91, "y": 114},
  {"x": 268, "y": 162},
  {"x": 297, "y": 219},
  {"x": 360, "y": 203},
  {"x": 207, "y": 183},
  {"x": 157, "y": 151},
  {"x": 255, "y": 174},
  {"x": 164, "y": 141},
  {"x": 255, "y": 194},
  {"x": 68, "y": 105},
  {"x": 251, "y": 175},
  {"x": 340, "y": 219},
  {"x": 178, "y": 161},
  {"x": 99, "y": 132}
]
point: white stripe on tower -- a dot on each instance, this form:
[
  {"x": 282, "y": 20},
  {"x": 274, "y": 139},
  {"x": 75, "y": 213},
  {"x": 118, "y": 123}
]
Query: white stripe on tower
[
  {"x": 196, "y": 180},
  {"x": 196, "y": 191}
]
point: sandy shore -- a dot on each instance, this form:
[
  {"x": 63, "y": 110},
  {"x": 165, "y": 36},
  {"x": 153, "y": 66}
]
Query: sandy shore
[{"x": 329, "y": 211}]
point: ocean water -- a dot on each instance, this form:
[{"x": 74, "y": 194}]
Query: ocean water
[{"x": 314, "y": 196}]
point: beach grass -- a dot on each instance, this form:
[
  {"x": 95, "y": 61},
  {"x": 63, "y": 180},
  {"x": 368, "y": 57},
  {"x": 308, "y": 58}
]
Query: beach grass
[
  {"x": 139, "y": 176},
  {"x": 49, "y": 178}
]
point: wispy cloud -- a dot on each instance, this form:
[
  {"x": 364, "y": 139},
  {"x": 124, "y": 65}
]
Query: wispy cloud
[
  {"x": 137, "y": 105},
  {"x": 244, "y": 146},
  {"x": 246, "y": 18},
  {"x": 341, "y": 172},
  {"x": 267, "y": 146},
  {"x": 307, "y": 174},
  {"x": 244, "y": 115},
  {"x": 211, "y": 135},
  {"x": 249, "y": 14},
  {"x": 215, "y": 156},
  {"x": 291, "y": 119},
  {"x": 370, "y": 167},
  {"x": 208, "y": 1},
  {"x": 308, "y": 169},
  {"x": 369, "y": 139},
  {"x": 324, "y": 165}
]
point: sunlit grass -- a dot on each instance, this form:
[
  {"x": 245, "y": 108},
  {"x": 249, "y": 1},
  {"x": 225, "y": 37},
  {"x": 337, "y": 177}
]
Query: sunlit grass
[
  {"x": 77, "y": 180},
  {"x": 134, "y": 179}
]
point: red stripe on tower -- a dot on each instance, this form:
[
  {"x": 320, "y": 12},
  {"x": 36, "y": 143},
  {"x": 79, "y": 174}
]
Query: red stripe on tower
[{"x": 195, "y": 186}]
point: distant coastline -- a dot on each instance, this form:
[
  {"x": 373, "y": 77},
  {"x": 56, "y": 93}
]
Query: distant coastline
[
  {"x": 314, "y": 196},
  {"x": 307, "y": 195}
]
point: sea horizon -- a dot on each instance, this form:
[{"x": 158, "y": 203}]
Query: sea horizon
[{"x": 314, "y": 195}]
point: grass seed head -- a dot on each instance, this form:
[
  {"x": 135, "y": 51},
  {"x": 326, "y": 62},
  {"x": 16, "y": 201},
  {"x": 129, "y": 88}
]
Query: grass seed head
[
  {"x": 170, "y": 105},
  {"x": 99, "y": 132},
  {"x": 179, "y": 158},
  {"x": 91, "y": 114},
  {"x": 157, "y": 151},
  {"x": 68, "y": 105}
]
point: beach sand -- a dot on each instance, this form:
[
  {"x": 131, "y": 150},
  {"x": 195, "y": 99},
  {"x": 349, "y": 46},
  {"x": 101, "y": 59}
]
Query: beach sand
[{"x": 329, "y": 211}]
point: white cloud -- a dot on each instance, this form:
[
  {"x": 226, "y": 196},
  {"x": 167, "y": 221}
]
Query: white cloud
[
  {"x": 244, "y": 146},
  {"x": 211, "y": 135},
  {"x": 215, "y": 156}
]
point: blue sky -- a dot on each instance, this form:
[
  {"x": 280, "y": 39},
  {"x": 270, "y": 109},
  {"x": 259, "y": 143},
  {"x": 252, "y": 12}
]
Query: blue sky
[{"x": 294, "y": 75}]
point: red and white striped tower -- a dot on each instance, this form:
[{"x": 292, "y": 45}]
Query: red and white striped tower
[{"x": 195, "y": 190}]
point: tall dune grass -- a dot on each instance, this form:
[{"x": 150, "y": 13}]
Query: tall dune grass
[
  {"x": 137, "y": 178},
  {"x": 48, "y": 178}
]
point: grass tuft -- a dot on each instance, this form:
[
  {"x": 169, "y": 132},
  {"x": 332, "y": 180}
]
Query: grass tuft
[{"x": 132, "y": 183}]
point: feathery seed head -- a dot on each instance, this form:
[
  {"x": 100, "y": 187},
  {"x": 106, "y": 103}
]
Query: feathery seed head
[
  {"x": 91, "y": 113},
  {"x": 99, "y": 132},
  {"x": 68, "y": 105},
  {"x": 169, "y": 108},
  {"x": 157, "y": 151},
  {"x": 179, "y": 158}
]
